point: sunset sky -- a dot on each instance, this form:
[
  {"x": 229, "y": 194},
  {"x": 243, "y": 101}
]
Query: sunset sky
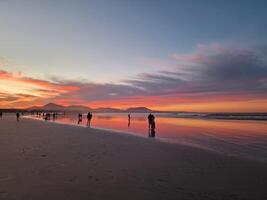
[{"x": 183, "y": 55}]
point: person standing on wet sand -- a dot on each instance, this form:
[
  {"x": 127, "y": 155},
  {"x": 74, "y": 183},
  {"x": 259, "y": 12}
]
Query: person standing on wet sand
[
  {"x": 150, "y": 116},
  {"x": 1, "y": 114},
  {"x": 89, "y": 117},
  {"x": 18, "y": 115},
  {"x": 129, "y": 120}
]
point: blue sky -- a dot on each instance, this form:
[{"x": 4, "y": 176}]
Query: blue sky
[{"x": 108, "y": 40}]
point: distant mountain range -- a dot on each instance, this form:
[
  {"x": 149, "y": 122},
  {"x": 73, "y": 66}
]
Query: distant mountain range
[
  {"x": 56, "y": 107},
  {"x": 73, "y": 108}
]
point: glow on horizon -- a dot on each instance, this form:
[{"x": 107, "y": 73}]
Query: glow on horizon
[
  {"x": 230, "y": 107},
  {"x": 22, "y": 92}
]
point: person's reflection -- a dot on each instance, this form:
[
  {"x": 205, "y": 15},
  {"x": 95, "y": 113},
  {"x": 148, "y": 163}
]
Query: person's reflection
[
  {"x": 151, "y": 125},
  {"x": 129, "y": 120},
  {"x": 54, "y": 116}
]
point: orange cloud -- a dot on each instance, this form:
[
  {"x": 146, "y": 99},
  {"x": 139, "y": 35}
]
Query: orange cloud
[
  {"x": 18, "y": 90},
  {"x": 36, "y": 82}
]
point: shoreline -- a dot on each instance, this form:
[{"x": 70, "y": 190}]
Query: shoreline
[
  {"x": 55, "y": 161},
  {"x": 158, "y": 139}
]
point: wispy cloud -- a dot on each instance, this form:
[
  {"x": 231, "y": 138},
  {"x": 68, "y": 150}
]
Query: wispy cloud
[
  {"x": 41, "y": 85},
  {"x": 211, "y": 73},
  {"x": 19, "y": 90}
]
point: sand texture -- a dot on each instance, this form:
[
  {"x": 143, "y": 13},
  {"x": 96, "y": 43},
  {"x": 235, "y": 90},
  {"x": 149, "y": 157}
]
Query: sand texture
[{"x": 48, "y": 161}]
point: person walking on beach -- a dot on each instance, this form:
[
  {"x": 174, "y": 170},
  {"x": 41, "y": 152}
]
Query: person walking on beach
[
  {"x": 80, "y": 118},
  {"x": 129, "y": 120},
  {"x": 89, "y": 117},
  {"x": 18, "y": 115}
]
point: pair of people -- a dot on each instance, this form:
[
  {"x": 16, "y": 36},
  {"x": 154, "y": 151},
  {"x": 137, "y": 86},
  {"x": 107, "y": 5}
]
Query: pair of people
[
  {"x": 151, "y": 125},
  {"x": 89, "y": 117}
]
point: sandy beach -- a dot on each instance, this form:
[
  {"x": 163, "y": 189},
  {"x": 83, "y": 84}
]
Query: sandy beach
[{"x": 49, "y": 161}]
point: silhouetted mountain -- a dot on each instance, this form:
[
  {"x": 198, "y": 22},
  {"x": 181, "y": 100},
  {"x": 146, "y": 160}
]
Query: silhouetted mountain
[
  {"x": 49, "y": 106},
  {"x": 80, "y": 108},
  {"x": 34, "y": 108},
  {"x": 56, "y": 107},
  {"x": 138, "y": 109},
  {"x": 53, "y": 106}
]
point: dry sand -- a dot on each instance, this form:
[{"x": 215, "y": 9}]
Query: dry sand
[{"x": 44, "y": 161}]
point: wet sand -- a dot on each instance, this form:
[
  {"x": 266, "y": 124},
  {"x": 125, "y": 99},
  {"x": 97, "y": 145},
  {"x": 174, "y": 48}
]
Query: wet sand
[{"x": 49, "y": 161}]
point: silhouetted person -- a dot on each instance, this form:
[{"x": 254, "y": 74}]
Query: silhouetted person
[
  {"x": 129, "y": 120},
  {"x": 1, "y": 114},
  {"x": 150, "y": 116},
  {"x": 80, "y": 118},
  {"x": 151, "y": 125},
  {"x": 89, "y": 117},
  {"x": 18, "y": 115}
]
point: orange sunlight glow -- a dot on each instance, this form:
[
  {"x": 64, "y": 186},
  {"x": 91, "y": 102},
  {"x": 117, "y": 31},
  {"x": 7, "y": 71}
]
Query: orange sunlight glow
[{"x": 20, "y": 91}]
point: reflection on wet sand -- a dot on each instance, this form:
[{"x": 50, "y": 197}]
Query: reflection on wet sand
[{"x": 241, "y": 138}]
